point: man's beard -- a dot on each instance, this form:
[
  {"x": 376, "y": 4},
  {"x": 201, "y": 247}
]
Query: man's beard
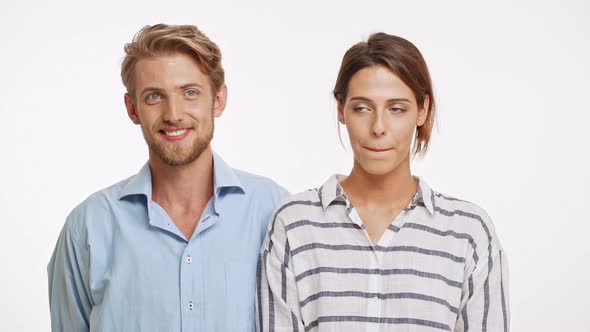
[{"x": 176, "y": 154}]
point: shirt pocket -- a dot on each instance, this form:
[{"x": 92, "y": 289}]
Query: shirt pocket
[{"x": 240, "y": 295}]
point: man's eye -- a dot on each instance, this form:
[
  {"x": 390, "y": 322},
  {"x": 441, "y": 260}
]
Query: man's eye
[
  {"x": 360, "y": 109},
  {"x": 191, "y": 93},
  {"x": 154, "y": 97}
]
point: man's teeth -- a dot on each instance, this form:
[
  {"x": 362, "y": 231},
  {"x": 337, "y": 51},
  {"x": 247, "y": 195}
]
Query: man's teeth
[{"x": 175, "y": 133}]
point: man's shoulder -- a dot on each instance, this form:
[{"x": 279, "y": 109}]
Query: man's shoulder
[
  {"x": 99, "y": 198},
  {"x": 97, "y": 206},
  {"x": 259, "y": 185}
]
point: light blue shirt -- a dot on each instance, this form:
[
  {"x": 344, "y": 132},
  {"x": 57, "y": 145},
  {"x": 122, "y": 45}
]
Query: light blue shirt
[{"x": 121, "y": 264}]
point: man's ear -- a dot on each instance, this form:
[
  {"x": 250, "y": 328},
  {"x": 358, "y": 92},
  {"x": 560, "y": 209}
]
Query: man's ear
[
  {"x": 220, "y": 100},
  {"x": 131, "y": 109},
  {"x": 423, "y": 111}
]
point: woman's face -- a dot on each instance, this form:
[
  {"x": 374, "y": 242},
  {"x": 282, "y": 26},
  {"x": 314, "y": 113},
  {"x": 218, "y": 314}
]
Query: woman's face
[{"x": 380, "y": 113}]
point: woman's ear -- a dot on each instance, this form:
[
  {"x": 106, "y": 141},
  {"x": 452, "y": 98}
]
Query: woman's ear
[
  {"x": 423, "y": 111},
  {"x": 340, "y": 107}
]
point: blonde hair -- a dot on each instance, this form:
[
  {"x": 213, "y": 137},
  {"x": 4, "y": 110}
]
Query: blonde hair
[{"x": 159, "y": 39}]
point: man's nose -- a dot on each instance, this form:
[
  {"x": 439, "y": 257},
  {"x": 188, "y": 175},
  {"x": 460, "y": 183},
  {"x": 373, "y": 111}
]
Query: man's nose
[{"x": 172, "y": 111}]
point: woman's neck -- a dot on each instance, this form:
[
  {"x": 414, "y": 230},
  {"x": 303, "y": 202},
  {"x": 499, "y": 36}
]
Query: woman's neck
[{"x": 395, "y": 188}]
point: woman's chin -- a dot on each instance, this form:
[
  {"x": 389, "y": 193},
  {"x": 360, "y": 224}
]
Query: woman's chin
[{"x": 378, "y": 167}]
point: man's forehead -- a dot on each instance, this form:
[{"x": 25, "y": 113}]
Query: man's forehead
[{"x": 169, "y": 69}]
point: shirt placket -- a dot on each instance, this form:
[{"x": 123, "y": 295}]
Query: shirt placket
[
  {"x": 191, "y": 277},
  {"x": 374, "y": 304},
  {"x": 189, "y": 300}
]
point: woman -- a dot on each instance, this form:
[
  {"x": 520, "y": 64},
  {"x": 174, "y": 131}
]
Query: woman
[{"x": 379, "y": 250}]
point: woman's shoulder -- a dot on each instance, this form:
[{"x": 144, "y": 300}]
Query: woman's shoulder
[
  {"x": 463, "y": 216},
  {"x": 308, "y": 197},
  {"x": 447, "y": 204},
  {"x": 452, "y": 205},
  {"x": 304, "y": 205}
]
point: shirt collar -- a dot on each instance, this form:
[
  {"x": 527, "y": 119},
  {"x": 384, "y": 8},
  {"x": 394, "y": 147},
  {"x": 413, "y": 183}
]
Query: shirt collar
[
  {"x": 424, "y": 194},
  {"x": 223, "y": 177},
  {"x": 139, "y": 184},
  {"x": 331, "y": 191}
]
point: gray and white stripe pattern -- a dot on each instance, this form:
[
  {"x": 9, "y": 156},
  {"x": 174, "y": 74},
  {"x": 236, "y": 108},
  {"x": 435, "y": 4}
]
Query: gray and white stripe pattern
[{"x": 438, "y": 267}]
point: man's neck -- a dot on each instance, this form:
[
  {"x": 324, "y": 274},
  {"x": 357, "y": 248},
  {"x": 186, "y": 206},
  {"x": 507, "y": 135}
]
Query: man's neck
[{"x": 184, "y": 187}]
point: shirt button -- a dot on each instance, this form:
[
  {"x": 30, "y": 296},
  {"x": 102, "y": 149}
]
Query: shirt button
[
  {"x": 191, "y": 305},
  {"x": 189, "y": 259}
]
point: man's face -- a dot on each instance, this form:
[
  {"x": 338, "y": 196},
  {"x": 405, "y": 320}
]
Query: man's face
[{"x": 174, "y": 104}]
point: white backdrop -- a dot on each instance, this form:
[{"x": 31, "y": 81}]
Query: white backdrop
[{"x": 511, "y": 80}]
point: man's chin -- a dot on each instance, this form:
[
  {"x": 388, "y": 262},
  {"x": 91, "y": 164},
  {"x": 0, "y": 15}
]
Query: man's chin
[
  {"x": 175, "y": 155},
  {"x": 179, "y": 159}
]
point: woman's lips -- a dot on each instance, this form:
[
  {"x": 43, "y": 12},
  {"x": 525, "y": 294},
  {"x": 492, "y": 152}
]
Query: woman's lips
[{"x": 377, "y": 149}]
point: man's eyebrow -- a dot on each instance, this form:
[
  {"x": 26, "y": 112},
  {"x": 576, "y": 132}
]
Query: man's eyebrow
[
  {"x": 150, "y": 88},
  {"x": 359, "y": 98},
  {"x": 190, "y": 85}
]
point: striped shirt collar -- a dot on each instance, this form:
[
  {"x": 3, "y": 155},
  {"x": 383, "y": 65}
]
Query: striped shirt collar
[{"x": 331, "y": 192}]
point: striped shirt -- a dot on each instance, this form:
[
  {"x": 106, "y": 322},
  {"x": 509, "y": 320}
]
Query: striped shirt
[{"x": 439, "y": 266}]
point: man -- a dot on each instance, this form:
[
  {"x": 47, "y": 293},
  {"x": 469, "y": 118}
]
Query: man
[{"x": 173, "y": 248}]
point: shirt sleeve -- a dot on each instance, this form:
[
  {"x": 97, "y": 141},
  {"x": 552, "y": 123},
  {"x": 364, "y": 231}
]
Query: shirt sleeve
[
  {"x": 277, "y": 305},
  {"x": 69, "y": 296},
  {"x": 484, "y": 300}
]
